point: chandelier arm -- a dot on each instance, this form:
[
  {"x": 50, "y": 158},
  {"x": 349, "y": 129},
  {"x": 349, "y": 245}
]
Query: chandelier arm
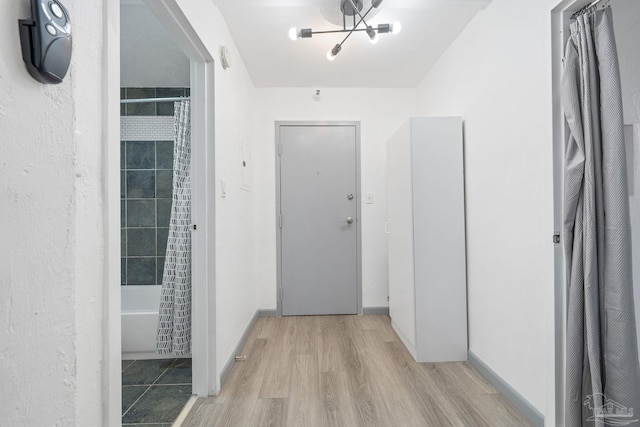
[
  {"x": 355, "y": 28},
  {"x": 355, "y": 8},
  {"x": 348, "y": 35},
  {"x": 362, "y": 19},
  {"x": 344, "y": 30},
  {"x": 340, "y": 31},
  {"x": 345, "y": 39}
]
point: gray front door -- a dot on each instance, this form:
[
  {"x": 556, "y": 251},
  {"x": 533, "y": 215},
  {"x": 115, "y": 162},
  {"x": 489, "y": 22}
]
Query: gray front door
[{"x": 318, "y": 200}]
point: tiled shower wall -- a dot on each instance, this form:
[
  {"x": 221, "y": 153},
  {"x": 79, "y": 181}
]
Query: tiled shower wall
[{"x": 146, "y": 163}]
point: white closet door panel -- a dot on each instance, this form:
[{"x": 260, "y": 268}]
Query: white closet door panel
[
  {"x": 439, "y": 239},
  {"x": 400, "y": 237}
]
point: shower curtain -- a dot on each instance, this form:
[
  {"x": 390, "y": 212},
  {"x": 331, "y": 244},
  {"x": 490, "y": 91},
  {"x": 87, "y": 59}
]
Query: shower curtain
[
  {"x": 174, "y": 324},
  {"x": 602, "y": 374}
]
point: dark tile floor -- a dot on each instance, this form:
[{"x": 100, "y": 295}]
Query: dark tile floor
[{"x": 154, "y": 391}]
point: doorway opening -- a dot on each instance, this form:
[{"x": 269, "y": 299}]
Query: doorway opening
[
  {"x": 200, "y": 75},
  {"x": 625, "y": 17},
  {"x": 154, "y": 76}
]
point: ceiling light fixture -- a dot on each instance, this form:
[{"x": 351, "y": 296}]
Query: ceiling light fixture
[{"x": 351, "y": 9}]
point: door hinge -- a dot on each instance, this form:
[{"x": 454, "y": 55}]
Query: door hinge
[
  {"x": 281, "y": 292},
  {"x": 556, "y": 238},
  {"x": 279, "y": 149},
  {"x": 194, "y": 226},
  {"x": 280, "y": 221}
]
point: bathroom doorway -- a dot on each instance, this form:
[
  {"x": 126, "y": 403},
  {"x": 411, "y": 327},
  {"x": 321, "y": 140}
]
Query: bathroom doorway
[
  {"x": 154, "y": 81},
  {"x": 200, "y": 76}
]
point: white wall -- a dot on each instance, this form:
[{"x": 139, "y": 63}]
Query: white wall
[
  {"x": 497, "y": 75},
  {"x": 236, "y": 300},
  {"x": 149, "y": 56},
  {"x": 381, "y": 112},
  {"x": 51, "y": 222},
  {"x": 626, "y": 17}
]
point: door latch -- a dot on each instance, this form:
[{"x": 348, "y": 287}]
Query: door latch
[{"x": 556, "y": 238}]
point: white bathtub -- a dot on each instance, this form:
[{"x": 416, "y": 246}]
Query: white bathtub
[{"x": 140, "y": 305}]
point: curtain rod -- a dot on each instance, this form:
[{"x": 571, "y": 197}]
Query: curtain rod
[
  {"x": 137, "y": 101},
  {"x": 591, "y": 6}
]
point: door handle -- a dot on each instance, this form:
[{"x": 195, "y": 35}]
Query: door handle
[{"x": 349, "y": 220}]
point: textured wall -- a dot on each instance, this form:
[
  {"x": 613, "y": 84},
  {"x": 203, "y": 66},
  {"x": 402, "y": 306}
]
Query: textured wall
[{"x": 51, "y": 266}]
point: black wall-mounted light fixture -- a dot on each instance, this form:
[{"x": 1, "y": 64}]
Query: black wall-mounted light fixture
[
  {"x": 351, "y": 10},
  {"x": 46, "y": 41}
]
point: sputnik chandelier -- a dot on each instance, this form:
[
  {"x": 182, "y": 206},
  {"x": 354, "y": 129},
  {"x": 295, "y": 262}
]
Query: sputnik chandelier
[{"x": 351, "y": 11}]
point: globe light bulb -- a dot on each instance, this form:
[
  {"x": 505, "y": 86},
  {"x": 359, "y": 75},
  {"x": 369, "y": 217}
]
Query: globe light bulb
[
  {"x": 373, "y": 35},
  {"x": 294, "y": 33},
  {"x": 396, "y": 27}
]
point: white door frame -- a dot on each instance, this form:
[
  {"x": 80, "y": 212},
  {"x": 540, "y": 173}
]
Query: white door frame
[
  {"x": 112, "y": 353},
  {"x": 205, "y": 380},
  {"x": 560, "y": 21},
  {"x": 358, "y": 209}
]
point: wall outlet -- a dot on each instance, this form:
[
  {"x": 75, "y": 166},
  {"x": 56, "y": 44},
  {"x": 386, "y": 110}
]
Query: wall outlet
[{"x": 368, "y": 198}]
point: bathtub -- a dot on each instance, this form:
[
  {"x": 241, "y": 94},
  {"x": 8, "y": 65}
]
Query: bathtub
[{"x": 140, "y": 305}]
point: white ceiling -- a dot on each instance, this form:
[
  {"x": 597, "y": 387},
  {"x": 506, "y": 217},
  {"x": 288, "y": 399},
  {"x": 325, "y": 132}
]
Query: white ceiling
[
  {"x": 144, "y": 46},
  {"x": 260, "y": 30}
]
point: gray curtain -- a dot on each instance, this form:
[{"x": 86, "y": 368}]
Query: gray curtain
[
  {"x": 602, "y": 360},
  {"x": 174, "y": 324}
]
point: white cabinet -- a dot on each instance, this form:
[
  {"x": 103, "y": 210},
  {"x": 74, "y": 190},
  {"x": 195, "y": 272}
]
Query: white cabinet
[{"x": 426, "y": 238}]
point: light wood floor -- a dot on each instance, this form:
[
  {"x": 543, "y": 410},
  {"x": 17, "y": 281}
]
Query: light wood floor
[{"x": 347, "y": 371}]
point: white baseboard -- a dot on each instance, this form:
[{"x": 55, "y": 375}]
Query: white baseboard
[
  {"x": 375, "y": 311},
  {"x": 232, "y": 359},
  {"x": 405, "y": 340},
  {"x": 523, "y": 405}
]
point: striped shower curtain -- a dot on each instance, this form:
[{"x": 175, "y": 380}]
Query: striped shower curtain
[
  {"x": 174, "y": 324},
  {"x": 602, "y": 374}
]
